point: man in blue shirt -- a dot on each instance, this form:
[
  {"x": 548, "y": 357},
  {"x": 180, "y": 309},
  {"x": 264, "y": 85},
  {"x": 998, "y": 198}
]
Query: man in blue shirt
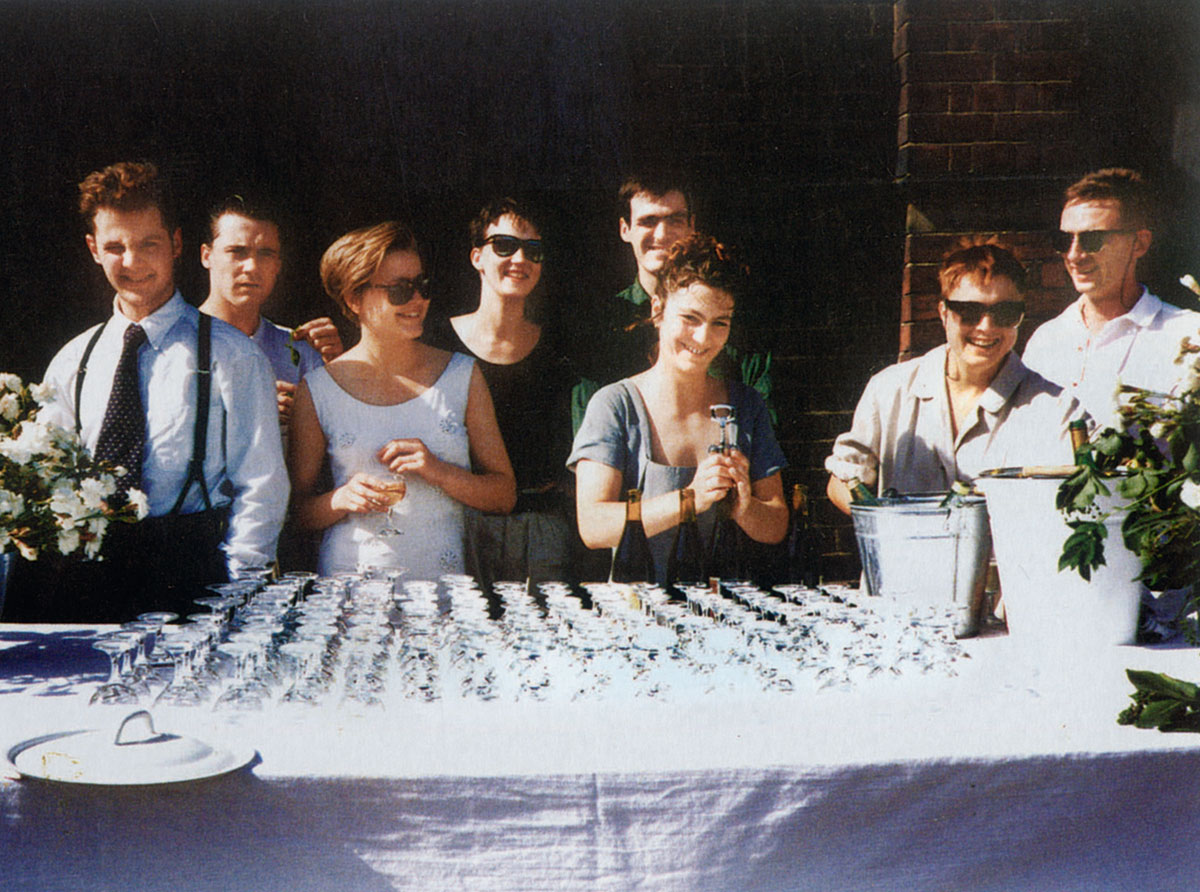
[{"x": 244, "y": 257}]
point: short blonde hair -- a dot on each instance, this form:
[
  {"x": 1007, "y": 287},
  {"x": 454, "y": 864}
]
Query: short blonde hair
[{"x": 350, "y": 262}]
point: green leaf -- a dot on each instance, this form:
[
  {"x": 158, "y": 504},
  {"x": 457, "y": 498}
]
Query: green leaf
[
  {"x": 1084, "y": 548},
  {"x": 1079, "y": 491},
  {"x": 1191, "y": 459},
  {"x": 1164, "y": 685},
  {"x": 1160, "y": 712}
]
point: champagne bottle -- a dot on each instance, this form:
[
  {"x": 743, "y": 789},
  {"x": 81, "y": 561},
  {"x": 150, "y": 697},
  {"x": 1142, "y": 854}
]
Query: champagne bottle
[
  {"x": 632, "y": 561},
  {"x": 804, "y": 548},
  {"x": 1077, "y": 430},
  {"x": 725, "y": 551},
  {"x": 859, "y": 494},
  {"x": 685, "y": 565}
]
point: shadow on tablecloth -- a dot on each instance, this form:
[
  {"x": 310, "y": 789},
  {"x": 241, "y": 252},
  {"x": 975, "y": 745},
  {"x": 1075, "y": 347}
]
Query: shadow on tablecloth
[{"x": 49, "y": 660}]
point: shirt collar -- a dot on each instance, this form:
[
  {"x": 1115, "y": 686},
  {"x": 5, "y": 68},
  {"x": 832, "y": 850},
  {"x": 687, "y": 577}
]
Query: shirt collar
[
  {"x": 635, "y": 293},
  {"x": 931, "y": 374},
  {"x": 931, "y": 379},
  {"x": 1141, "y": 314},
  {"x": 158, "y": 323}
]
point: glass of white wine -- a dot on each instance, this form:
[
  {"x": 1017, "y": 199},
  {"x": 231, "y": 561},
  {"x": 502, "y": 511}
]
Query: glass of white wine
[{"x": 395, "y": 488}]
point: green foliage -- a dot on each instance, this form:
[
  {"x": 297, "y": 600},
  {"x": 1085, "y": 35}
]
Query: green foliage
[
  {"x": 1084, "y": 549},
  {"x": 1163, "y": 702},
  {"x": 1153, "y": 454}
]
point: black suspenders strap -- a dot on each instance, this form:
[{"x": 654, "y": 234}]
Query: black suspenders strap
[
  {"x": 200, "y": 430},
  {"x": 82, "y": 372}
]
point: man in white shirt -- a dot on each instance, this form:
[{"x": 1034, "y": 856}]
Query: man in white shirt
[
  {"x": 244, "y": 257},
  {"x": 218, "y": 491},
  {"x": 1116, "y": 332}
]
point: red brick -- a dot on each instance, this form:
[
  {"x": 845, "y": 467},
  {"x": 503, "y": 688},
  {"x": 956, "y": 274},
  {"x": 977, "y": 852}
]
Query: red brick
[
  {"x": 962, "y": 98},
  {"x": 920, "y": 248},
  {"x": 1026, "y": 157},
  {"x": 982, "y": 37},
  {"x": 923, "y": 37},
  {"x": 1027, "y": 97},
  {"x": 1033, "y": 125},
  {"x": 933, "y": 67},
  {"x": 1058, "y": 96},
  {"x": 950, "y": 128},
  {"x": 922, "y": 160},
  {"x": 992, "y": 157},
  {"x": 919, "y": 279},
  {"x": 992, "y": 97},
  {"x": 949, "y": 10},
  {"x": 1058, "y": 157},
  {"x": 1038, "y": 66},
  {"x": 925, "y": 98},
  {"x": 921, "y": 307}
]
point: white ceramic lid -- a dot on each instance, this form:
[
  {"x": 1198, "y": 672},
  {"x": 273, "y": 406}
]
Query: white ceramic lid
[{"x": 135, "y": 755}]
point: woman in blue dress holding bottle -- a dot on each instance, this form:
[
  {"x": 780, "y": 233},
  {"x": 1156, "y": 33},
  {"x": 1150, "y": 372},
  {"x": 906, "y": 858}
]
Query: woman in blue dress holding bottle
[{"x": 652, "y": 431}]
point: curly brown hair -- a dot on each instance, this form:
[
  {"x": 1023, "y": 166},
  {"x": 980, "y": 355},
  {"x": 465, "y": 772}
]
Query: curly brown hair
[
  {"x": 125, "y": 186},
  {"x": 348, "y": 264},
  {"x": 701, "y": 258}
]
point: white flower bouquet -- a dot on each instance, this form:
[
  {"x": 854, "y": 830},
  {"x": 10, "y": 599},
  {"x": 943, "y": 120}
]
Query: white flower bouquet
[{"x": 54, "y": 497}]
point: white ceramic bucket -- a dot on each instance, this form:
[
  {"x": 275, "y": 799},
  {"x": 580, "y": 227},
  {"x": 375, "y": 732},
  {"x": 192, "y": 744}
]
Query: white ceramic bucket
[{"x": 1041, "y": 602}]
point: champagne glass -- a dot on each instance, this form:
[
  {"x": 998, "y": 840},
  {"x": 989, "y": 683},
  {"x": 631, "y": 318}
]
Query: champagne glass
[
  {"x": 395, "y": 488},
  {"x": 119, "y": 648}
]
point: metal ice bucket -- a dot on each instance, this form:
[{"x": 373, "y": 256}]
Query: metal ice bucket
[{"x": 918, "y": 553}]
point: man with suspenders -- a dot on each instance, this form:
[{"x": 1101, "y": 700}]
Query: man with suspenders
[{"x": 186, "y": 403}]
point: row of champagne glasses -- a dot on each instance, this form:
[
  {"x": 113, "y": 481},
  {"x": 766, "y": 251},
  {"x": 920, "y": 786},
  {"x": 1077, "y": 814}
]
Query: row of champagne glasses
[{"x": 371, "y": 639}]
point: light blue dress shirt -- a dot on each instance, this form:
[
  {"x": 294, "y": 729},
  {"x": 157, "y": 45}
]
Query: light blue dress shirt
[
  {"x": 273, "y": 340},
  {"x": 243, "y": 467}
]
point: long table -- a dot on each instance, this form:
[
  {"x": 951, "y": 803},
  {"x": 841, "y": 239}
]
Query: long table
[{"x": 1010, "y": 775}]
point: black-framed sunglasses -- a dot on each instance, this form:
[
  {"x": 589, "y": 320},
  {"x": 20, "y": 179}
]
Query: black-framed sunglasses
[
  {"x": 1090, "y": 242},
  {"x": 401, "y": 292},
  {"x": 508, "y": 245},
  {"x": 1005, "y": 313}
]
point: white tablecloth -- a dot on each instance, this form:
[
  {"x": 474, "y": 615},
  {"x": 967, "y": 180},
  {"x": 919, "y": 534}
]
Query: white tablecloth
[{"x": 1012, "y": 775}]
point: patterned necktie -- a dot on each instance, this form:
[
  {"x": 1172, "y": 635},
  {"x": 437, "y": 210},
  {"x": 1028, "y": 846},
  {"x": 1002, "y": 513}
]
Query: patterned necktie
[{"x": 123, "y": 433}]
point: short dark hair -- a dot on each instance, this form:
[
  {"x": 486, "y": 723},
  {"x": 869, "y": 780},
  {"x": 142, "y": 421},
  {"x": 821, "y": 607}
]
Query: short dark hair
[
  {"x": 243, "y": 204},
  {"x": 656, "y": 183},
  {"x": 494, "y": 210},
  {"x": 1139, "y": 204},
  {"x": 981, "y": 263},
  {"x": 125, "y": 186},
  {"x": 701, "y": 258}
]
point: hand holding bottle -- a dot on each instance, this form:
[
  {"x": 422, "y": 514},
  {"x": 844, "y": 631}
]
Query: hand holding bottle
[{"x": 719, "y": 474}]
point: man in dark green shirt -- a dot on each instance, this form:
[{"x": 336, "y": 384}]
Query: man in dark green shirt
[{"x": 655, "y": 214}]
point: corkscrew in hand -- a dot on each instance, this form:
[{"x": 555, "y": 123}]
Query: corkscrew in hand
[{"x": 724, "y": 415}]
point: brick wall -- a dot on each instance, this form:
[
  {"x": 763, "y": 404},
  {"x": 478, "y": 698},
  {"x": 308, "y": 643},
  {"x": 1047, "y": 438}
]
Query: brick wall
[{"x": 1004, "y": 102}]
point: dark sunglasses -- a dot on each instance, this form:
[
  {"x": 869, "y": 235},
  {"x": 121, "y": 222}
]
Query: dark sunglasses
[
  {"x": 1090, "y": 242},
  {"x": 1005, "y": 313},
  {"x": 508, "y": 245},
  {"x": 402, "y": 292}
]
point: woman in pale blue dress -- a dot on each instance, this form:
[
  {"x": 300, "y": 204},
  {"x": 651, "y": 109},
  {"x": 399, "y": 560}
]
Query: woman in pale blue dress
[
  {"x": 652, "y": 431},
  {"x": 391, "y": 407}
]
